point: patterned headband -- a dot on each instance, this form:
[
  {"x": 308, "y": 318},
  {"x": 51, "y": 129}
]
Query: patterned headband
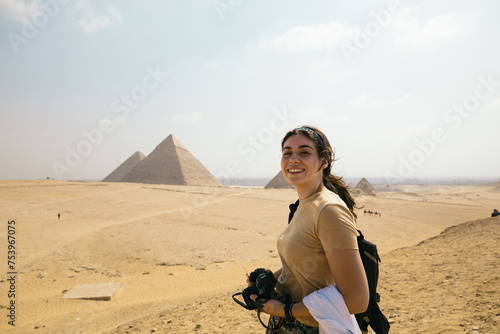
[{"x": 318, "y": 138}]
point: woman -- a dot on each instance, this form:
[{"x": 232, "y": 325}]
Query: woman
[{"x": 318, "y": 248}]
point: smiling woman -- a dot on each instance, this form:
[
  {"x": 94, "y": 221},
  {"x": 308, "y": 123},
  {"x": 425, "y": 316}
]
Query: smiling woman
[{"x": 318, "y": 249}]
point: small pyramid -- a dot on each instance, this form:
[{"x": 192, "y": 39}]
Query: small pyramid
[
  {"x": 171, "y": 163},
  {"x": 364, "y": 186},
  {"x": 124, "y": 168},
  {"x": 278, "y": 181}
]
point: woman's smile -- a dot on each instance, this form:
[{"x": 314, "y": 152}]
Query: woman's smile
[{"x": 295, "y": 170}]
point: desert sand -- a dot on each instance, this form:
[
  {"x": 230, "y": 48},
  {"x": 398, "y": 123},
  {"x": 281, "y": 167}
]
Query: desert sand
[{"x": 180, "y": 252}]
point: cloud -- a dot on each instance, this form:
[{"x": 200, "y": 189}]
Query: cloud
[
  {"x": 366, "y": 101},
  {"x": 415, "y": 34},
  {"x": 21, "y": 11},
  {"x": 211, "y": 64},
  {"x": 495, "y": 103},
  {"x": 44, "y": 133},
  {"x": 82, "y": 12},
  {"x": 327, "y": 69},
  {"x": 315, "y": 115},
  {"x": 87, "y": 17},
  {"x": 136, "y": 137},
  {"x": 188, "y": 118},
  {"x": 371, "y": 108},
  {"x": 312, "y": 37},
  {"x": 236, "y": 124},
  {"x": 119, "y": 120},
  {"x": 319, "y": 67},
  {"x": 315, "y": 112}
]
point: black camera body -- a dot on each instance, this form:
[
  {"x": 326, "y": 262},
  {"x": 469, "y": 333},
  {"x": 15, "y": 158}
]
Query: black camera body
[{"x": 264, "y": 288}]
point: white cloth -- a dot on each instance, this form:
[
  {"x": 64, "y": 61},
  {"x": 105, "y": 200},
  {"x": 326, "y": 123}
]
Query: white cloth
[{"x": 327, "y": 306}]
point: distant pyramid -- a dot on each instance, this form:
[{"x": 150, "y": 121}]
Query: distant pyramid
[
  {"x": 365, "y": 187},
  {"x": 124, "y": 168},
  {"x": 278, "y": 181},
  {"x": 171, "y": 163}
]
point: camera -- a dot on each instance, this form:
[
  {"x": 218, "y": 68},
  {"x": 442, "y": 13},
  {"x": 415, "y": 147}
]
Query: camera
[{"x": 263, "y": 288}]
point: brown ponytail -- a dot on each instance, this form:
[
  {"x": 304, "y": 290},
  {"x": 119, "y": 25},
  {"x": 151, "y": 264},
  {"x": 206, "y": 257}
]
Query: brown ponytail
[{"x": 325, "y": 153}]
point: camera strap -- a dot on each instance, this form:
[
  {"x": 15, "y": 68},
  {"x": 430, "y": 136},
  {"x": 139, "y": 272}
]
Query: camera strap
[
  {"x": 278, "y": 326},
  {"x": 240, "y": 302},
  {"x": 259, "y": 309}
]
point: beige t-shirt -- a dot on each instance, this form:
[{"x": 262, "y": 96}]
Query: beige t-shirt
[{"x": 321, "y": 223}]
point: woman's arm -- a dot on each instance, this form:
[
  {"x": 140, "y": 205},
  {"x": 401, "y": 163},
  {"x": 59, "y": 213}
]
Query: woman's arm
[
  {"x": 277, "y": 308},
  {"x": 277, "y": 273},
  {"x": 350, "y": 278}
]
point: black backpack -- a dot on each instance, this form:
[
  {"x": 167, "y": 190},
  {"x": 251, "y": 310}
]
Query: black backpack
[{"x": 373, "y": 316}]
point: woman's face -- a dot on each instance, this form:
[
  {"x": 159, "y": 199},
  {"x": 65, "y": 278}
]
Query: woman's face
[{"x": 300, "y": 161}]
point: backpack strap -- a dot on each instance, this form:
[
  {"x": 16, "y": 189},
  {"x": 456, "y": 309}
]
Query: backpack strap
[{"x": 293, "y": 207}]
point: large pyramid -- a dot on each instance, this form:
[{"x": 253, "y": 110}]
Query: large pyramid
[
  {"x": 122, "y": 170},
  {"x": 364, "y": 187},
  {"x": 171, "y": 163},
  {"x": 278, "y": 181}
]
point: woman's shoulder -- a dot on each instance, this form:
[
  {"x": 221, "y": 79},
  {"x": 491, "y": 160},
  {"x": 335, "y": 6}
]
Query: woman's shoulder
[
  {"x": 326, "y": 202},
  {"x": 333, "y": 206},
  {"x": 329, "y": 198}
]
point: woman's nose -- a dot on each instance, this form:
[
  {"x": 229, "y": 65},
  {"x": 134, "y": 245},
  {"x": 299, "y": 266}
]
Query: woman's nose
[{"x": 294, "y": 158}]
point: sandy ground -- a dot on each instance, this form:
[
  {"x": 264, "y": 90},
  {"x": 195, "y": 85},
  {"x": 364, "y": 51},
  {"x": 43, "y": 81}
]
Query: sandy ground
[{"x": 179, "y": 254}]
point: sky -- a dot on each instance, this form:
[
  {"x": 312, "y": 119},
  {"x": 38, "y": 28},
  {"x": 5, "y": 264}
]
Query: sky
[{"x": 402, "y": 89}]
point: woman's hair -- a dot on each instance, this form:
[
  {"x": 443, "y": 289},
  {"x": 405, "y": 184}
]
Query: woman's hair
[{"x": 326, "y": 154}]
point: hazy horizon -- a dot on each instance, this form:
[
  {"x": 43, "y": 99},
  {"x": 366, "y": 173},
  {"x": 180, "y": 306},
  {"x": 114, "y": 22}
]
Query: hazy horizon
[{"x": 351, "y": 181}]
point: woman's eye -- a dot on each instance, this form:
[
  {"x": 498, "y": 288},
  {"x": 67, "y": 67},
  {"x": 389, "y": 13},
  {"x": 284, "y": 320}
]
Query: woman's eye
[{"x": 286, "y": 154}]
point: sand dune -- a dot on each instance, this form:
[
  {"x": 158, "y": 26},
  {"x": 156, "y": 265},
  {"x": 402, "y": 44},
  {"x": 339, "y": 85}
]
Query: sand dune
[
  {"x": 446, "y": 284},
  {"x": 180, "y": 252}
]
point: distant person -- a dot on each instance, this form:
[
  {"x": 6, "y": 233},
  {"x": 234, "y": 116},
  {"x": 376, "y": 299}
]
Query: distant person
[
  {"x": 318, "y": 249},
  {"x": 58, "y": 216},
  {"x": 495, "y": 213}
]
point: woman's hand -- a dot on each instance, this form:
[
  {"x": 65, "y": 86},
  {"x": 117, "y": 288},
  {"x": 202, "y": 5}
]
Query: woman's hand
[
  {"x": 277, "y": 308},
  {"x": 272, "y": 307},
  {"x": 248, "y": 278}
]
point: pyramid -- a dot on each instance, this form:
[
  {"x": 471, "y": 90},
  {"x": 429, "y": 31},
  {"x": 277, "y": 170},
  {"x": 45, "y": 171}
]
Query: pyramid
[
  {"x": 124, "y": 168},
  {"x": 365, "y": 187},
  {"x": 278, "y": 181},
  {"x": 171, "y": 163}
]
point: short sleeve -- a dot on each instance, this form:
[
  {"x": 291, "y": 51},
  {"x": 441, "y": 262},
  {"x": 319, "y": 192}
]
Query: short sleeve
[{"x": 336, "y": 228}]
